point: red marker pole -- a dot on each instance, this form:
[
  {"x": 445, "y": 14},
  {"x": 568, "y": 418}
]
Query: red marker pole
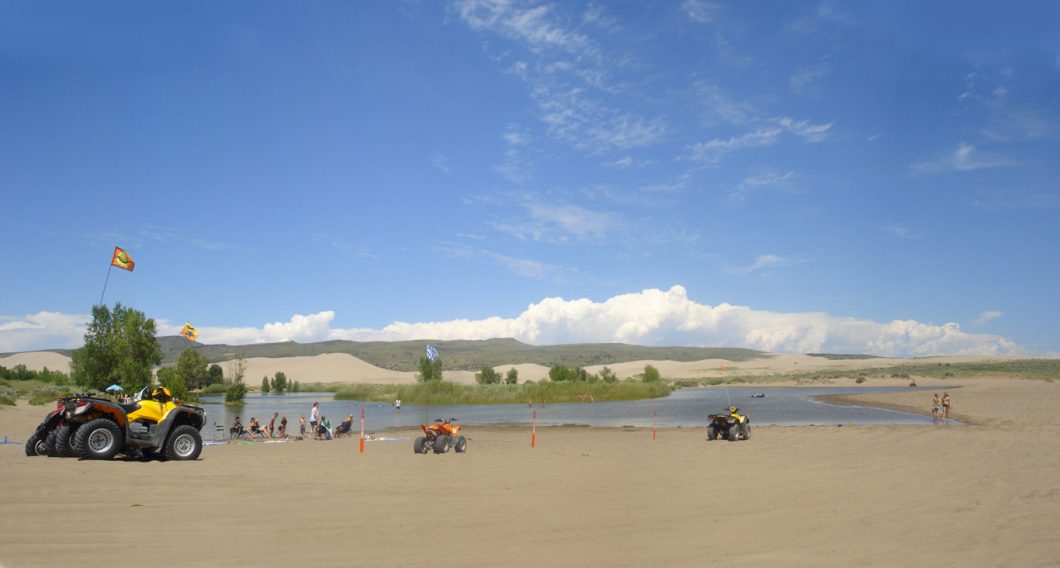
[
  {"x": 653, "y": 425},
  {"x": 533, "y": 429},
  {"x": 361, "y": 430}
]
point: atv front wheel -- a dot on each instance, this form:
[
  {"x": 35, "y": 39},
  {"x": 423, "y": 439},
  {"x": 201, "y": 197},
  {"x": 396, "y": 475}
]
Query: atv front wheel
[
  {"x": 36, "y": 446},
  {"x": 101, "y": 439},
  {"x": 460, "y": 445},
  {"x": 184, "y": 443},
  {"x": 734, "y": 432},
  {"x": 441, "y": 444},
  {"x": 420, "y": 445},
  {"x": 745, "y": 430},
  {"x": 712, "y": 433}
]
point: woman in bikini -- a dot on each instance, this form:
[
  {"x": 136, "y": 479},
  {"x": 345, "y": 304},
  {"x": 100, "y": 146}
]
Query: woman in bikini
[{"x": 945, "y": 408}]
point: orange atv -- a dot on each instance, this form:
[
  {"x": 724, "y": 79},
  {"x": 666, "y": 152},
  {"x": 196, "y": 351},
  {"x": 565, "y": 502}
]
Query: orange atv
[{"x": 440, "y": 436}]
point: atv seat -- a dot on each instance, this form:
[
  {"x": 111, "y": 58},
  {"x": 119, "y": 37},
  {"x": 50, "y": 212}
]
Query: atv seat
[{"x": 129, "y": 408}]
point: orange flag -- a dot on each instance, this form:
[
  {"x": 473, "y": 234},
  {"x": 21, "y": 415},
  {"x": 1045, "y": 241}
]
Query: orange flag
[
  {"x": 121, "y": 259},
  {"x": 189, "y": 332}
]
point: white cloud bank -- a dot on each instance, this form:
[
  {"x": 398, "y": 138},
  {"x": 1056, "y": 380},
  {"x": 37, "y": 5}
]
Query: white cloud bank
[{"x": 650, "y": 317}]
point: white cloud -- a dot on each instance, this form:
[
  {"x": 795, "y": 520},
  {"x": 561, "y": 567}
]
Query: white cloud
[
  {"x": 516, "y": 167},
  {"x": 805, "y": 79},
  {"x": 441, "y": 163},
  {"x": 805, "y": 129},
  {"x": 649, "y": 317},
  {"x": 524, "y": 267},
  {"x": 763, "y": 262},
  {"x": 42, "y": 330},
  {"x": 901, "y": 231},
  {"x": 767, "y": 178},
  {"x": 987, "y": 316},
  {"x": 559, "y": 223},
  {"x": 964, "y": 158},
  {"x": 700, "y": 10}
]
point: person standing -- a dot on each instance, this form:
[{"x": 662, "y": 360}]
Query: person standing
[
  {"x": 301, "y": 426},
  {"x": 397, "y": 405},
  {"x": 946, "y": 408},
  {"x": 314, "y": 418},
  {"x": 272, "y": 425},
  {"x": 936, "y": 409}
]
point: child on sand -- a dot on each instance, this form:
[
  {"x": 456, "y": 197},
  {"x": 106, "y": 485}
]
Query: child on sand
[{"x": 301, "y": 426}]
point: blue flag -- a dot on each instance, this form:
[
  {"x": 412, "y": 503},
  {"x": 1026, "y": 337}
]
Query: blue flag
[{"x": 432, "y": 353}]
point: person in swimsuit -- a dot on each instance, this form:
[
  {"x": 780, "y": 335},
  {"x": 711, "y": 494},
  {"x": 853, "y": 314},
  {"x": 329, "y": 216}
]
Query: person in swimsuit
[
  {"x": 301, "y": 426},
  {"x": 936, "y": 409},
  {"x": 282, "y": 431},
  {"x": 945, "y": 408}
]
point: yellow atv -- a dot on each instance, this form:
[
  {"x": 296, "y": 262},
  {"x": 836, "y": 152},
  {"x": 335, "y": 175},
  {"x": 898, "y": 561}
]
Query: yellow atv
[
  {"x": 154, "y": 425},
  {"x": 730, "y": 425}
]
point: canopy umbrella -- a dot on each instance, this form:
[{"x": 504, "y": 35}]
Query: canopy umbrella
[{"x": 114, "y": 388}]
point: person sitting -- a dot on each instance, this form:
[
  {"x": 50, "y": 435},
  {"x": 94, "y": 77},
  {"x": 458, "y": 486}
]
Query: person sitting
[
  {"x": 324, "y": 428},
  {"x": 255, "y": 429},
  {"x": 281, "y": 432},
  {"x": 237, "y": 429},
  {"x": 345, "y": 427}
]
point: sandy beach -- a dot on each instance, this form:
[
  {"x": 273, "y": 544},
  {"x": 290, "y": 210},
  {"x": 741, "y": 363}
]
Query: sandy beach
[{"x": 983, "y": 494}]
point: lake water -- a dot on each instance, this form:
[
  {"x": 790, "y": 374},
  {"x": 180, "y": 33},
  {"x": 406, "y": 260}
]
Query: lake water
[{"x": 686, "y": 408}]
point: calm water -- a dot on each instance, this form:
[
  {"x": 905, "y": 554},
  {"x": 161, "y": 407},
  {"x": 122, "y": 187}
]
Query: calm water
[{"x": 685, "y": 408}]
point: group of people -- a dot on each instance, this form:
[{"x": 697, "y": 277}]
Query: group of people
[
  {"x": 940, "y": 409},
  {"x": 254, "y": 430}
]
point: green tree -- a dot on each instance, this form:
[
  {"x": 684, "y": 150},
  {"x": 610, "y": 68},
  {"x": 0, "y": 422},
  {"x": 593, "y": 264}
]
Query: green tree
[
  {"x": 487, "y": 376},
  {"x": 171, "y": 378},
  {"x": 279, "y": 382},
  {"x": 296, "y": 387},
  {"x": 512, "y": 377},
  {"x": 235, "y": 389},
  {"x": 265, "y": 384},
  {"x": 607, "y": 375},
  {"x": 120, "y": 347},
  {"x": 651, "y": 374},
  {"x": 559, "y": 373},
  {"x": 215, "y": 375},
  {"x": 191, "y": 366},
  {"x": 429, "y": 370}
]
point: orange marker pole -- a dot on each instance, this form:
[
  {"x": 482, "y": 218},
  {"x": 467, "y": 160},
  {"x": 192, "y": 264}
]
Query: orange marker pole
[
  {"x": 653, "y": 425},
  {"x": 533, "y": 429},
  {"x": 361, "y": 430}
]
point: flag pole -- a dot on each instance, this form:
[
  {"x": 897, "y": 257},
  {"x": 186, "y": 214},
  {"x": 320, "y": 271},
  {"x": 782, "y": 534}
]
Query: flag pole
[{"x": 109, "y": 268}]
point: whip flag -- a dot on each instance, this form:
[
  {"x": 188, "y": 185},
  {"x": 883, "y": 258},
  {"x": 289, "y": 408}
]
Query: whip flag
[
  {"x": 432, "y": 353},
  {"x": 122, "y": 260},
  {"x": 189, "y": 332}
]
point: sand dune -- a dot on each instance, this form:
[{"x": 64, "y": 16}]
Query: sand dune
[{"x": 37, "y": 360}]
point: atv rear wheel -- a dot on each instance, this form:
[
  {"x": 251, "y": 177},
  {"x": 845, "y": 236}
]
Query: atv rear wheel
[
  {"x": 712, "y": 433},
  {"x": 745, "y": 430},
  {"x": 420, "y": 445},
  {"x": 101, "y": 439},
  {"x": 63, "y": 440},
  {"x": 734, "y": 432},
  {"x": 460, "y": 445},
  {"x": 441, "y": 444},
  {"x": 50, "y": 449},
  {"x": 36, "y": 446},
  {"x": 184, "y": 443}
]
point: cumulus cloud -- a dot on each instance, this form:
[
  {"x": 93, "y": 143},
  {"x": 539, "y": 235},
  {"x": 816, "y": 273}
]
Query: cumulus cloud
[{"x": 649, "y": 317}]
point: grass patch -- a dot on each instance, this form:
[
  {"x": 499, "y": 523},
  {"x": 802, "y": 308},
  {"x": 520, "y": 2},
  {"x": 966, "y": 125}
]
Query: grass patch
[{"x": 544, "y": 391}]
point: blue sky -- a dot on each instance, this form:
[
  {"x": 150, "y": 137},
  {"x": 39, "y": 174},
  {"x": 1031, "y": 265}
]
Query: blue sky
[{"x": 790, "y": 176}]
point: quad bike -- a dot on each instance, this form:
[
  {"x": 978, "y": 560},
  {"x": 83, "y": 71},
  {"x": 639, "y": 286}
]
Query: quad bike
[
  {"x": 154, "y": 425},
  {"x": 43, "y": 440},
  {"x": 440, "y": 436},
  {"x": 729, "y": 425}
]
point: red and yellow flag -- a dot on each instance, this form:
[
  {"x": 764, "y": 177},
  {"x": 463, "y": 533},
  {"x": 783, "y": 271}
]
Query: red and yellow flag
[
  {"x": 121, "y": 259},
  {"x": 189, "y": 332}
]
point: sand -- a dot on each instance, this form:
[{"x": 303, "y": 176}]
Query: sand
[{"x": 983, "y": 494}]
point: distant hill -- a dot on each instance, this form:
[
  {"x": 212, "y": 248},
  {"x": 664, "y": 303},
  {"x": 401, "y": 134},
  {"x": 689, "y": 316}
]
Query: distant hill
[{"x": 461, "y": 355}]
